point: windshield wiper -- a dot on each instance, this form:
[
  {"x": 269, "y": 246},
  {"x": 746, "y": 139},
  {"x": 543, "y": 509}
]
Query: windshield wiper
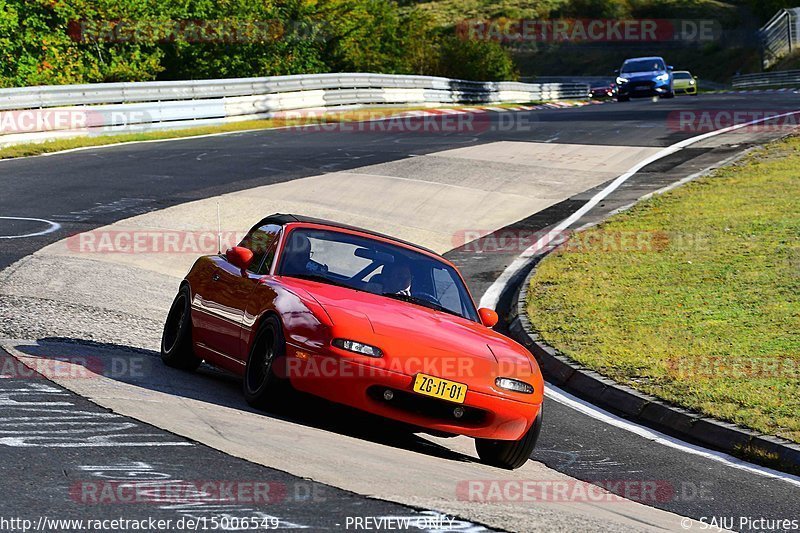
[
  {"x": 329, "y": 281},
  {"x": 322, "y": 279},
  {"x": 420, "y": 301}
]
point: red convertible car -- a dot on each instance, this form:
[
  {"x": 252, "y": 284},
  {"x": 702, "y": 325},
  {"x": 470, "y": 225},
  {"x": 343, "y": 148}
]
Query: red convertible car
[{"x": 361, "y": 319}]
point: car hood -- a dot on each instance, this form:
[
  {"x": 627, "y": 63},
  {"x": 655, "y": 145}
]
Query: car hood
[
  {"x": 418, "y": 339},
  {"x": 641, "y": 76}
]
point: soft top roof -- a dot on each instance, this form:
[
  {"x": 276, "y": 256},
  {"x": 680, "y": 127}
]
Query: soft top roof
[{"x": 285, "y": 218}]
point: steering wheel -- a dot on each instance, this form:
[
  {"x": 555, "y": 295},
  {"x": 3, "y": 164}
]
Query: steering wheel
[{"x": 426, "y": 296}]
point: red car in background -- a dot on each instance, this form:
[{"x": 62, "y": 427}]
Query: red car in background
[
  {"x": 361, "y": 319},
  {"x": 608, "y": 90}
]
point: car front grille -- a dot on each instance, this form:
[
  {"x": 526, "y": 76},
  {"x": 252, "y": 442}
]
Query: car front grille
[
  {"x": 637, "y": 86},
  {"x": 432, "y": 408}
]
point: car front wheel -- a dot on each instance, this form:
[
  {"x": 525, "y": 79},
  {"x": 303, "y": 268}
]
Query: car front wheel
[
  {"x": 510, "y": 454},
  {"x": 176, "y": 340},
  {"x": 261, "y": 386}
]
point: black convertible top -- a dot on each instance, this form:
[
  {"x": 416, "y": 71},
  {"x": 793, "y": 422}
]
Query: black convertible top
[{"x": 285, "y": 218}]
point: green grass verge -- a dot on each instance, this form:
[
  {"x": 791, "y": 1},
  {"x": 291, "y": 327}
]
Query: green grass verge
[
  {"x": 692, "y": 296},
  {"x": 367, "y": 113},
  {"x": 29, "y": 149}
]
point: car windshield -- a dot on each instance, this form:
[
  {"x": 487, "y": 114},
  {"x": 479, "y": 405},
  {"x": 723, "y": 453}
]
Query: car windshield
[
  {"x": 682, "y": 76},
  {"x": 643, "y": 65},
  {"x": 369, "y": 265}
]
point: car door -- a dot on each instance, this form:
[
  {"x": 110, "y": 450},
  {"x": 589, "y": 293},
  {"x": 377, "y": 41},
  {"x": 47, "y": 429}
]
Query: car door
[{"x": 227, "y": 293}]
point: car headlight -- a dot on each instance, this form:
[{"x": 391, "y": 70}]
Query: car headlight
[
  {"x": 691, "y": 82},
  {"x": 620, "y": 81},
  {"x": 357, "y": 347},
  {"x": 663, "y": 77},
  {"x": 514, "y": 385}
]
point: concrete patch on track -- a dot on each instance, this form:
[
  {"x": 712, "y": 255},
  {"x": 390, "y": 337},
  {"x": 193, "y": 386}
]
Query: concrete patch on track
[
  {"x": 120, "y": 298},
  {"x": 89, "y": 285},
  {"x": 427, "y": 199}
]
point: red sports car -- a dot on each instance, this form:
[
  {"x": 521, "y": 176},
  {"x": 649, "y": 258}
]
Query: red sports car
[{"x": 361, "y": 319}]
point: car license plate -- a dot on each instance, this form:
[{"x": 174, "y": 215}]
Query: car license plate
[
  {"x": 440, "y": 388},
  {"x": 642, "y": 88}
]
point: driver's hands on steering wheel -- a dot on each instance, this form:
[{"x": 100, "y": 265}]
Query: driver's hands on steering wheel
[{"x": 426, "y": 296}]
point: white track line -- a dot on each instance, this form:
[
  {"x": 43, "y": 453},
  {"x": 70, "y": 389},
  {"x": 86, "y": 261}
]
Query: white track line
[
  {"x": 54, "y": 226},
  {"x": 595, "y": 412},
  {"x": 492, "y": 296}
]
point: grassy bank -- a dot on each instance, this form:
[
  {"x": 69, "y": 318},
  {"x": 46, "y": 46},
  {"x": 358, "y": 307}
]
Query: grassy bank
[{"x": 693, "y": 296}]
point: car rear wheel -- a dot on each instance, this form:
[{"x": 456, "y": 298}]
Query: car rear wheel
[
  {"x": 261, "y": 386},
  {"x": 510, "y": 454},
  {"x": 176, "y": 340}
]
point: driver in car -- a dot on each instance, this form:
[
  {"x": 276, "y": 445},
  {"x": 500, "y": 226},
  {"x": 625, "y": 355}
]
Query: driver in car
[
  {"x": 397, "y": 279},
  {"x": 298, "y": 257}
]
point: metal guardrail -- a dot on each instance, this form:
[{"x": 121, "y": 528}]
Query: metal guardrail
[
  {"x": 784, "y": 78},
  {"x": 133, "y": 107},
  {"x": 780, "y": 36},
  {"x": 592, "y": 81}
]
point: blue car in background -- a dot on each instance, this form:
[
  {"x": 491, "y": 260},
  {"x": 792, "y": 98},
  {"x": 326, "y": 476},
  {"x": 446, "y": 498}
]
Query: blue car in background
[{"x": 644, "y": 76}]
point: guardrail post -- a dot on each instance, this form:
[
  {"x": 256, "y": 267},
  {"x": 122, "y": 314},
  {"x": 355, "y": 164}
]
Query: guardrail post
[{"x": 258, "y": 97}]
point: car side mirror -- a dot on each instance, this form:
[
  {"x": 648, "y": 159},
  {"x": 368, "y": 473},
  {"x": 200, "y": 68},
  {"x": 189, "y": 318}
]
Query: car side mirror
[
  {"x": 616, "y": 71},
  {"x": 669, "y": 67},
  {"x": 239, "y": 257},
  {"x": 488, "y": 317}
]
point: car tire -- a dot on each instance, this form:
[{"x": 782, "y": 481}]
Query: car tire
[
  {"x": 177, "y": 350},
  {"x": 510, "y": 454},
  {"x": 670, "y": 94},
  {"x": 260, "y": 385},
  {"x": 623, "y": 98}
]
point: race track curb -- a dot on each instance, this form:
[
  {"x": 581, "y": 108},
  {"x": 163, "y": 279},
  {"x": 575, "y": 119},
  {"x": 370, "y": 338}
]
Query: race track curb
[{"x": 642, "y": 408}]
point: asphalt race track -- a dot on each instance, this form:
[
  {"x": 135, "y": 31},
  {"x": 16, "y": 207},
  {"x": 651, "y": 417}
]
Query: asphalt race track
[{"x": 93, "y": 188}]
